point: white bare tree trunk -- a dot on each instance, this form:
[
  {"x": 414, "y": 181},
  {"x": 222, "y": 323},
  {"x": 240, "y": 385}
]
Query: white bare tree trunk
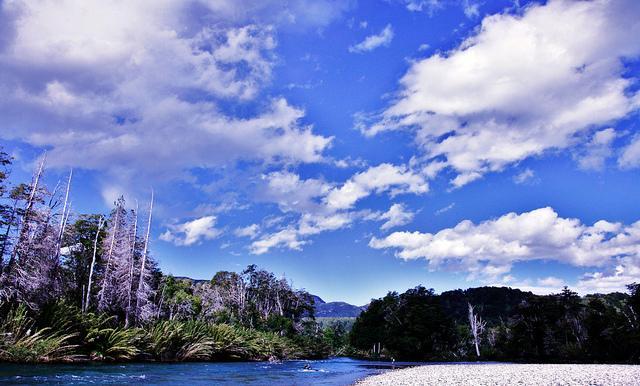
[
  {"x": 93, "y": 264},
  {"x": 140, "y": 291},
  {"x": 477, "y": 328},
  {"x": 132, "y": 258},
  {"x": 22, "y": 245},
  {"x": 105, "y": 279},
  {"x": 65, "y": 215}
]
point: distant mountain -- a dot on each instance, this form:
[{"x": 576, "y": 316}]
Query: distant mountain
[
  {"x": 336, "y": 309},
  {"x": 194, "y": 281}
]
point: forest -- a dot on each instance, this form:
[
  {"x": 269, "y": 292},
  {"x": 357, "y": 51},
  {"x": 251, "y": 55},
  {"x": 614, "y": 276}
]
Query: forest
[
  {"x": 501, "y": 324},
  {"x": 87, "y": 287},
  {"x": 80, "y": 287}
]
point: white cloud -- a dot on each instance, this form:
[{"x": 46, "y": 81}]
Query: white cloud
[
  {"x": 397, "y": 215},
  {"x": 293, "y": 13},
  {"x": 521, "y": 85},
  {"x": 423, "y": 5},
  {"x": 445, "y": 209},
  {"x": 292, "y": 193},
  {"x": 551, "y": 281},
  {"x": 597, "y": 150},
  {"x": 124, "y": 87},
  {"x": 630, "y": 157},
  {"x": 524, "y": 176},
  {"x": 250, "y": 231},
  {"x": 536, "y": 289},
  {"x": 542, "y": 286},
  {"x": 286, "y": 237},
  {"x": 489, "y": 249},
  {"x": 295, "y": 236},
  {"x": 377, "y": 179},
  {"x": 471, "y": 9},
  {"x": 370, "y": 43},
  {"x": 311, "y": 224},
  {"x": 614, "y": 281},
  {"x": 312, "y": 220},
  {"x": 324, "y": 207},
  {"x": 191, "y": 232}
]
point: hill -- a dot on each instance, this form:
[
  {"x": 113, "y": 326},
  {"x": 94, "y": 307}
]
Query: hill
[{"x": 336, "y": 309}]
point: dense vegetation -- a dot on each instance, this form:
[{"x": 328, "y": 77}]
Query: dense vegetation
[
  {"x": 509, "y": 325},
  {"x": 87, "y": 287}
]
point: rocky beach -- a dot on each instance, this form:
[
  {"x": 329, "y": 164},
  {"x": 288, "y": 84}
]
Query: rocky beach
[{"x": 509, "y": 374}]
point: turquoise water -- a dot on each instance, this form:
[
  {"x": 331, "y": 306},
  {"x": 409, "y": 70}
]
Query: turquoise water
[{"x": 335, "y": 371}]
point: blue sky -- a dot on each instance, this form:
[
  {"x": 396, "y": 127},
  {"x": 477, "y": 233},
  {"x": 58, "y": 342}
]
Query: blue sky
[{"x": 354, "y": 146}]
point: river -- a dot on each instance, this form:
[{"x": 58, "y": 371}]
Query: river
[{"x": 334, "y": 372}]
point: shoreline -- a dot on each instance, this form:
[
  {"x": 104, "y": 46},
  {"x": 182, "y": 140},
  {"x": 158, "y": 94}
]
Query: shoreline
[{"x": 504, "y": 374}]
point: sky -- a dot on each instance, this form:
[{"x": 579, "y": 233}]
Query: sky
[{"x": 355, "y": 147}]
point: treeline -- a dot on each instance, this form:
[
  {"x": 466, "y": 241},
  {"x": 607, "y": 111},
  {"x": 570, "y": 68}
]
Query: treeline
[
  {"x": 87, "y": 287},
  {"x": 501, "y": 324}
]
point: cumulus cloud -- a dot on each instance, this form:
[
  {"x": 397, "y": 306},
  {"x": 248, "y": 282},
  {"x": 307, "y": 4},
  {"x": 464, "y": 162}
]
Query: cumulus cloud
[
  {"x": 138, "y": 87},
  {"x": 294, "y": 237},
  {"x": 370, "y": 43},
  {"x": 397, "y": 215},
  {"x": 250, "y": 231},
  {"x": 616, "y": 281},
  {"x": 597, "y": 150},
  {"x": 377, "y": 179},
  {"x": 191, "y": 232},
  {"x": 489, "y": 249},
  {"x": 524, "y": 176},
  {"x": 630, "y": 157},
  {"x": 320, "y": 206},
  {"x": 521, "y": 85},
  {"x": 292, "y": 193},
  {"x": 551, "y": 281},
  {"x": 287, "y": 237}
]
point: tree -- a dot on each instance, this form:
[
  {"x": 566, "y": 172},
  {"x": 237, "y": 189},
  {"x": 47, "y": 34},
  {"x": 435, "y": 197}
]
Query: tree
[
  {"x": 87, "y": 298},
  {"x": 178, "y": 299},
  {"x": 477, "y": 325},
  {"x": 411, "y": 325},
  {"x": 144, "y": 306},
  {"x": 116, "y": 251},
  {"x": 32, "y": 275}
]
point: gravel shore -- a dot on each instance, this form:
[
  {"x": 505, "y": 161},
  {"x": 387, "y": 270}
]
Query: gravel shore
[{"x": 509, "y": 374}]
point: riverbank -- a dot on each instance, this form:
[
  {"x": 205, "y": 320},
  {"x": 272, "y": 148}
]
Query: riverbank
[{"x": 508, "y": 374}]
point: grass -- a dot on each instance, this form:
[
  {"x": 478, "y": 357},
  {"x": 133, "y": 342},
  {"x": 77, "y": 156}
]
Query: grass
[
  {"x": 19, "y": 341},
  {"x": 68, "y": 335}
]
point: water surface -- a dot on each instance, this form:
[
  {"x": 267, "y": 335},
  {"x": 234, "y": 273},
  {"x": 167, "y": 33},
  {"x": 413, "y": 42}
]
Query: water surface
[{"x": 334, "y": 371}]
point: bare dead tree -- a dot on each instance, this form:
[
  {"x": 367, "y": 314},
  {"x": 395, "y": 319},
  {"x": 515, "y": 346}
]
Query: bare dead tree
[
  {"x": 105, "y": 280},
  {"x": 129, "y": 283},
  {"x": 477, "y": 326},
  {"x": 22, "y": 243},
  {"x": 65, "y": 214},
  {"x": 93, "y": 264},
  {"x": 143, "y": 290}
]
